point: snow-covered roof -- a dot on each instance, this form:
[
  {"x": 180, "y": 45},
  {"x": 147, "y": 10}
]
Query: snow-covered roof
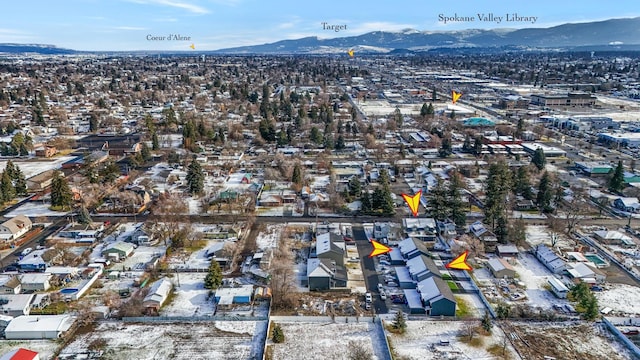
[
  {"x": 159, "y": 291},
  {"x": 40, "y": 323}
]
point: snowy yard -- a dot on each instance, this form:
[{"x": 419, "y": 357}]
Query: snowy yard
[
  {"x": 422, "y": 339},
  {"x": 539, "y": 234},
  {"x": 268, "y": 238},
  {"x": 311, "y": 341},
  {"x": 33, "y": 168},
  {"x": 620, "y": 297},
  {"x": 190, "y": 298},
  {"x": 202, "y": 340},
  {"x": 534, "y": 275},
  {"x": 34, "y": 209}
]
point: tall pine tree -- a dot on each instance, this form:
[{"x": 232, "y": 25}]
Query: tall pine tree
[
  {"x": 61, "y": 195},
  {"x": 195, "y": 178}
]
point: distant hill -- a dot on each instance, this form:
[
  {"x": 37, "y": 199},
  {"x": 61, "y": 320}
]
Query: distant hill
[
  {"x": 613, "y": 34},
  {"x": 34, "y": 49},
  {"x": 567, "y": 36}
]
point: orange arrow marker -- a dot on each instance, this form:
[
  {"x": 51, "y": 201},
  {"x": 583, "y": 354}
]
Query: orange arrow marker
[
  {"x": 192, "y": 46},
  {"x": 455, "y": 96},
  {"x": 413, "y": 202},
  {"x": 459, "y": 263},
  {"x": 378, "y": 249},
  {"x": 350, "y": 52}
]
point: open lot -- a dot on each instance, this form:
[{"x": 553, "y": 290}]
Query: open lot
[
  {"x": 567, "y": 341},
  {"x": 203, "y": 340},
  {"x": 422, "y": 341},
  {"x": 311, "y": 341},
  {"x": 190, "y": 298}
]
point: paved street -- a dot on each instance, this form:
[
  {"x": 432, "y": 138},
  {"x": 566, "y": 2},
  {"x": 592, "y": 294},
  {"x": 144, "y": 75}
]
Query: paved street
[{"x": 371, "y": 277}]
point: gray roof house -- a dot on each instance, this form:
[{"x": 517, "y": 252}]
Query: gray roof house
[
  {"x": 325, "y": 274},
  {"x": 437, "y": 297},
  {"x": 158, "y": 294},
  {"x": 410, "y": 248},
  {"x": 330, "y": 246},
  {"x": 549, "y": 259},
  {"x": 422, "y": 267}
]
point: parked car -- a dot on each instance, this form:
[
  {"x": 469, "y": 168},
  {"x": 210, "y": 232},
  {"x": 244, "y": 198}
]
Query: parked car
[
  {"x": 392, "y": 284},
  {"x": 385, "y": 262},
  {"x": 380, "y": 288},
  {"x": 383, "y": 295},
  {"x": 596, "y": 288},
  {"x": 26, "y": 251},
  {"x": 367, "y": 297}
]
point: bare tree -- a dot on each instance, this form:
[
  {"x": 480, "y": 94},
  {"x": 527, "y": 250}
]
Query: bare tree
[
  {"x": 575, "y": 208},
  {"x": 469, "y": 329},
  {"x": 357, "y": 351},
  {"x": 282, "y": 277}
]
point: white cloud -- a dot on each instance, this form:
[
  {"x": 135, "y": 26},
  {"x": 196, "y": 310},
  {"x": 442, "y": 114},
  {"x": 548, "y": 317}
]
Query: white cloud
[
  {"x": 180, "y": 4},
  {"x": 12, "y": 35},
  {"x": 377, "y": 26}
]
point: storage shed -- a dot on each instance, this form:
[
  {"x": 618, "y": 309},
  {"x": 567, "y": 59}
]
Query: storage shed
[{"x": 38, "y": 327}]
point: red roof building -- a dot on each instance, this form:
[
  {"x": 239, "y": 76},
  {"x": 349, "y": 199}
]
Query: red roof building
[{"x": 21, "y": 354}]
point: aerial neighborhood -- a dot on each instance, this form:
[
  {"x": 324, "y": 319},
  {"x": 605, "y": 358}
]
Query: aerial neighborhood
[{"x": 227, "y": 206}]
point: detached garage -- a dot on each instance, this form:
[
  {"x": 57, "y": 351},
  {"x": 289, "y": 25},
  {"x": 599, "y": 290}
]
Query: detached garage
[{"x": 38, "y": 327}]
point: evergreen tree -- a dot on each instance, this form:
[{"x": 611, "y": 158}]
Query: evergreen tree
[
  {"x": 616, "y": 182},
  {"x": 93, "y": 123},
  {"x": 452, "y": 114},
  {"x": 430, "y": 110},
  {"x": 456, "y": 207},
  {"x": 145, "y": 153},
  {"x": 538, "y": 159},
  {"x": 501, "y": 231},
  {"x": 277, "y": 335},
  {"x": 155, "y": 144},
  {"x": 296, "y": 177},
  {"x": 213, "y": 280},
  {"x": 83, "y": 216},
  {"x": 486, "y": 322},
  {"x": 522, "y": 185},
  {"x": 355, "y": 188},
  {"x": 437, "y": 201},
  {"x": 365, "y": 199},
  {"x": 497, "y": 190},
  {"x": 19, "y": 182},
  {"x": 61, "y": 195},
  {"x": 477, "y": 146},
  {"x": 340, "y": 142},
  {"x": 445, "y": 148},
  {"x": 7, "y": 191},
  {"x": 467, "y": 147},
  {"x": 10, "y": 169},
  {"x": 195, "y": 178},
  {"x": 315, "y": 136},
  {"x": 399, "y": 323},
  {"x": 545, "y": 193}
]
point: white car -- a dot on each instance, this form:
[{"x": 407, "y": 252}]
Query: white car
[
  {"x": 26, "y": 251},
  {"x": 383, "y": 295},
  {"x": 368, "y": 297},
  {"x": 380, "y": 288}
]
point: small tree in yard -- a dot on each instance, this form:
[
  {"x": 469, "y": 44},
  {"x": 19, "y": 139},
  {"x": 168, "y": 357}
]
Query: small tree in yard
[
  {"x": 277, "y": 335},
  {"x": 214, "y": 277},
  {"x": 357, "y": 351},
  {"x": 399, "y": 323},
  {"x": 486, "y": 322}
]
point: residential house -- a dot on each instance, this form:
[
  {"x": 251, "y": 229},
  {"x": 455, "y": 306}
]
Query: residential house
[
  {"x": 627, "y": 204},
  {"x": 489, "y": 240},
  {"x": 325, "y": 274},
  {"x": 381, "y": 230},
  {"x": 410, "y": 248},
  {"x": 559, "y": 289},
  {"x": 423, "y": 229},
  {"x": 330, "y": 246},
  {"x": 614, "y": 237},
  {"x": 79, "y": 233},
  {"x": 38, "y": 327},
  {"x": 41, "y": 181},
  {"x": 549, "y": 259},
  {"x": 157, "y": 295},
  {"x": 437, "y": 297},
  {"x": 586, "y": 273},
  {"x": 10, "y": 285},
  {"x": 35, "y": 281},
  {"x": 16, "y": 304},
  {"x": 501, "y": 269},
  {"x": 14, "y": 228},
  {"x": 33, "y": 261},
  {"x": 507, "y": 251},
  {"x": 46, "y": 151},
  {"x": 422, "y": 267},
  {"x": 118, "y": 250}
]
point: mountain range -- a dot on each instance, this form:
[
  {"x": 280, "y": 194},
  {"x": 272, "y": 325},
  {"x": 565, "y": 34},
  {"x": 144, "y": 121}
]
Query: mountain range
[{"x": 613, "y": 34}]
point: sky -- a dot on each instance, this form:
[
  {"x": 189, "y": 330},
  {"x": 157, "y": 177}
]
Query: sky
[{"x": 121, "y": 25}]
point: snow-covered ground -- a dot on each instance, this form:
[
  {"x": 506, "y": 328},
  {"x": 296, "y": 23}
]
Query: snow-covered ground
[
  {"x": 35, "y": 209},
  {"x": 33, "y": 168},
  {"x": 311, "y": 341},
  {"x": 535, "y": 276},
  {"x": 620, "y": 297},
  {"x": 268, "y": 238},
  {"x": 219, "y": 340},
  {"x": 190, "y": 297},
  {"x": 417, "y": 342},
  {"x": 540, "y": 234}
]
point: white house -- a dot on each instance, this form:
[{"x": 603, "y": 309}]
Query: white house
[
  {"x": 38, "y": 327},
  {"x": 158, "y": 294},
  {"x": 549, "y": 259},
  {"x": 15, "y": 227},
  {"x": 558, "y": 288}
]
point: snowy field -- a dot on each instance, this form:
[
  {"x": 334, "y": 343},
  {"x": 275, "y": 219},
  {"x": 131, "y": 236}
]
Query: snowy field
[
  {"x": 35, "y": 209},
  {"x": 190, "y": 298},
  {"x": 620, "y": 297},
  {"x": 311, "y": 341},
  {"x": 421, "y": 341},
  {"x": 534, "y": 275},
  {"x": 539, "y": 234},
  {"x": 45, "y": 348},
  {"x": 200, "y": 341}
]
